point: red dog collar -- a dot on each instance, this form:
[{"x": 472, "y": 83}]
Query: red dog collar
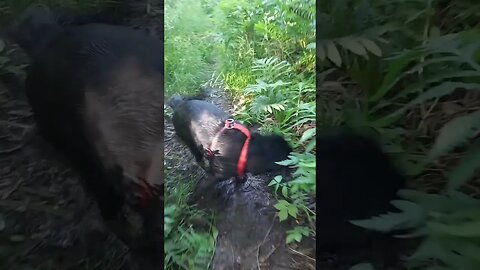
[{"x": 242, "y": 160}]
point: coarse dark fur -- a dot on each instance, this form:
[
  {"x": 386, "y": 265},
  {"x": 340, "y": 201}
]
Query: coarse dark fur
[
  {"x": 356, "y": 180},
  {"x": 197, "y": 122},
  {"x": 96, "y": 92}
]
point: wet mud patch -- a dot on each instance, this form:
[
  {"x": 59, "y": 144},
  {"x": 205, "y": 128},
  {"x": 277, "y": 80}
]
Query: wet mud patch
[{"x": 250, "y": 234}]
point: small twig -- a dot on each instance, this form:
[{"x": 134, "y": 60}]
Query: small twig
[
  {"x": 33, "y": 247},
  {"x": 264, "y": 239},
  {"x": 123, "y": 256},
  {"x": 299, "y": 253},
  {"x": 427, "y": 113},
  {"x": 233, "y": 257},
  {"x": 13, "y": 189},
  {"x": 13, "y": 149},
  {"x": 264, "y": 258}
]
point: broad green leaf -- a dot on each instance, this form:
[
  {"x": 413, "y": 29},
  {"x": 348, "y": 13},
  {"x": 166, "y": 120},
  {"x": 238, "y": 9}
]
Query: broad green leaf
[
  {"x": 281, "y": 204},
  {"x": 214, "y": 232},
  {"x": 434, "y": 92},
  {"x": 308, "y": 134},
  {"x": 371, "y": 46},
  {"x": 439, "y": 202},
  {"x": 430, "y": 248},
  {"x": 292, "y": 210},
  {"x": 276, "y": 180},
  {"x": 310, "y": 146},
  {"x": 383, "y": 223},
  {"x": 411, "y": 216},
  {"x": 465, "y": 170},
  {"x": 290, "y": 238},
  {"x": 416, "y": 88},
  {"x": 298, "y": 237},
  {"x": 283, "y": 214},
  {"x": 395, "y": 69},
  {"x": 286, "y": 162},
  {"x": 352, "y": 45},
  {"x": 468, "y": 229},
  {"x": 333, "y": 54},
  {"x": 454, "y": 133},
  {"x": 441, "y": 90},
  {"x": 438, "y": 77},
  {"x": 321, "y": 53},
  {"x": 285, "y": 191},
  {"x": 387, "y": 120}
]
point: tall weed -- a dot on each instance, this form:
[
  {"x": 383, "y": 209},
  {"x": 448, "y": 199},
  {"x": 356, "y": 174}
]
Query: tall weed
[{"x": 188, "y": 46}]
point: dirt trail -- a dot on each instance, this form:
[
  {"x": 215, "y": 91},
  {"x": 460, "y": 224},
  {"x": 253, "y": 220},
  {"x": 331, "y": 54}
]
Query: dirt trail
[{"x": 250, "y": 235}]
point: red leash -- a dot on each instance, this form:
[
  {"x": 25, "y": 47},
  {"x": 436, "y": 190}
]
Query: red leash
[{"x": 242, "y": 160}]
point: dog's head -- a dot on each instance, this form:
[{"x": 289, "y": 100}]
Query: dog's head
[
  {"x": 265, "y": 150},
  {"x": 33, "y": 27}
]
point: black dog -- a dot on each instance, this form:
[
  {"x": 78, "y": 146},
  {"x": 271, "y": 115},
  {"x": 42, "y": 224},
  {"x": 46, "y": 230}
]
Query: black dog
[
  {"x": 230, "y": 150},
  {"x": 96, "y": 91},
  {"x": 356, "y": 180}
]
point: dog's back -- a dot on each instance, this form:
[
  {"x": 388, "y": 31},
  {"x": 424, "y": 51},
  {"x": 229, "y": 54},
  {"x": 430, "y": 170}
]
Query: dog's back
[
  {"x": 356, "y": 180},
  {"x": 105, "y": 83},
  {"x": 97, "y": 95}
]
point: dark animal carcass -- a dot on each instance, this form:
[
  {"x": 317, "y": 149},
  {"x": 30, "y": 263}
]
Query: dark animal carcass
[
  {"x": 200, "y": 125},
  {"x": 96, "y": 92}
]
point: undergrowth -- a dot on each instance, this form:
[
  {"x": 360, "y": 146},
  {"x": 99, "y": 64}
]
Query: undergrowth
[
  {"x": 404, "y": 63},
  {"x": 186, "y": 246},
  {"x": 188, "y": 47}
]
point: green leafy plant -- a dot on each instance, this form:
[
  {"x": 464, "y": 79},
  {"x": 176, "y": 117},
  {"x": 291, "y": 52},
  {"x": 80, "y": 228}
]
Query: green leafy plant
[
  {"x": 297, "y": 233},
  {"x": 186, "y": 246},
  {"x": 419, "y": 55}
]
